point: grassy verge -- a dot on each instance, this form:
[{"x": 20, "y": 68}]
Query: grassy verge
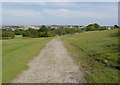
[
  {"x": 0, "y": 61},
  {"x": 16, "y": 54},
  {"x": 97, "y": 53}
]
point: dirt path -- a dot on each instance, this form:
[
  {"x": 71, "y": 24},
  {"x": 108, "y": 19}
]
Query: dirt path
[{"x": 52, "y": 65}]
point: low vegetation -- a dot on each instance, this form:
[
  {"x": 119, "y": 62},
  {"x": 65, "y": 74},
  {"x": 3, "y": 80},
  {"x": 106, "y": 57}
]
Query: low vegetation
[
  {"x": 97, "y": 53},
  {"x": 0, "y": 61},
  {"x": 7, "y": 34},
  {"x": 48, "y": 32},
  {"x": 16, "y": 54},
  {"x": 94, "y": 48}
]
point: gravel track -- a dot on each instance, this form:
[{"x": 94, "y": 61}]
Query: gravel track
[{"x": 52, "y": 65}]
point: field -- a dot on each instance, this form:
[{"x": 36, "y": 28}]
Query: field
[
  {"x": 16, "y": 54},
  {"x": 0, "y": 61},
  {"x": 97, "y": 53}
]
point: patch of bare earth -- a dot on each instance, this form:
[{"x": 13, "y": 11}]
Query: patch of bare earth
[{"x": 52, "y": 65}]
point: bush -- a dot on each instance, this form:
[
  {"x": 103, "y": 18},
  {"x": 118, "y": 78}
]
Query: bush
[
  {"x": 42, "y": 32},
  {"x": 19, "y": 31},
  {"x": 8, "y": 35}
]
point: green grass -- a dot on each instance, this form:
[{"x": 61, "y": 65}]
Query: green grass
[
  {"x": 0, "y": 61},
  {"x": 17, "y": 52},
  {"x": 97, "y": 53}
]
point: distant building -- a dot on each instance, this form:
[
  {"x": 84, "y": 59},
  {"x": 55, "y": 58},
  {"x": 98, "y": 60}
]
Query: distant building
[{"x": 38, "y": 27}]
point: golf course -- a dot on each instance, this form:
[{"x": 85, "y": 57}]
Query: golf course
[{"x": 94, "y": 53}]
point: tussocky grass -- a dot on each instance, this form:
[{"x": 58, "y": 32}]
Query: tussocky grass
[{"x": 97, "y": 53}]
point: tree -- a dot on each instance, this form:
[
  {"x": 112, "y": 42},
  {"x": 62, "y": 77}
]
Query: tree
[
  {"x": 116, "y": 26},
  {"x": 60, "y": 31},
  {"x": 27, "y": 34},
  {"x": 102, "y": 28},
  {"x": 19, "y": 31},
  {"x": 42, "y": 34},
  {"x": 34, "y": 33},
  {"x": 43, "y": 29},
  {"x": 8, "y": 35},
  {"x": 93, "y": 27},
  {"x": 96, "y": 26},
  {"x": 51, "y": 33},
  {"x": 90, "y": 27},
  {"x": 0, "y": 34}
]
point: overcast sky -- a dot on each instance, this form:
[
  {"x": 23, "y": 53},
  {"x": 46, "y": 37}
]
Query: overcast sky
[
  {"x": 60, "y": 0},
  {"x": 79, "y": 13}
]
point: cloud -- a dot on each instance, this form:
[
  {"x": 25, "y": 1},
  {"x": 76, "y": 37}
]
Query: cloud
[
  {"x": 62, "y": 12},
  {"x": 24, "y": 13},
  {"x": 33, "y": 3},
  {"x": 80, "y": 14},
  {"x": 70, "y": 5},
  {"x": 60, "y": 0},
  {"x": 52, "y": 4},
  {"x": 84, "y": 10},
  {"x": 0, "y": 13}
]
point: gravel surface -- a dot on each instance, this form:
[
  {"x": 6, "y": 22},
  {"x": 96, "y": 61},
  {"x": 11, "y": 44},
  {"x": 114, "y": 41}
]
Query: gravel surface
[{"x": 52, "y": 65}]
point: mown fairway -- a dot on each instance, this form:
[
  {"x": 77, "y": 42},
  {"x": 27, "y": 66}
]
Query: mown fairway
[
  {"x": 16, "y": 54},
  {"x": 97, "y": 53}
]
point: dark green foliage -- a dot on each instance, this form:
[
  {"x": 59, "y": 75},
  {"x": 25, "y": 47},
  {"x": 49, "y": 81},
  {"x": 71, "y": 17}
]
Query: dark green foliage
[
  {"x": 26, "y": 34},
  {"x": 8, "y": 34},
  {"x": 47, "y": 32},
  {"x": 94, "y": 27},
  {"x": 33, "y": 32},
  {"x": 102, "y": 28},
  {"x": 60, "y": 31},
  {"x": 14, "y": 26},
  {"x": 7, "y": 29},
  {"x": 50, "y": 32},
  {"x": 64, "y": 31},
  {"x": 43, "y": 29},
  {"x": 19, "y": 31},
  {"x": 0, "y": 34},
  {"x": 116, "y": 26},
  {"x": 42, "y": 32}
]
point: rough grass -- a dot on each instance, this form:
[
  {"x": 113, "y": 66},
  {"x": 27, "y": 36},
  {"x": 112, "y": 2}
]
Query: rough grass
[
  {"x": 0, "y": 61},
  {"x": 16, "y": 54},
  {"x": 97, "y": 53}
]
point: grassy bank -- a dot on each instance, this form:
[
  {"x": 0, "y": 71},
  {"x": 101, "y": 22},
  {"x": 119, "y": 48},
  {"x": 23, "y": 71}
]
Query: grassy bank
[
  {"x": 0, "y": 61},
  {"x": 97, "y": 53},
  {"x": 16, "y": 54}
]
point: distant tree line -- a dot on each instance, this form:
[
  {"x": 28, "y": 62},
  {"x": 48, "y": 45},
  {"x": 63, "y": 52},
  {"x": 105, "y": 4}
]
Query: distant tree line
[
  {"x": 96, "y": 27},
  {"x": 47, "y": 32},
  {"x": 7, "y": 34}
]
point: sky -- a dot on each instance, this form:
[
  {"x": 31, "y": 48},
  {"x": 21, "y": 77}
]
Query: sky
[
  {"x": 60, "y": 0},
  {"x": 59, "y": 13}
]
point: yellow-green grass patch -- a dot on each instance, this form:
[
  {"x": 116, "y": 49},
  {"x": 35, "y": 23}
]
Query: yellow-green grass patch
[{"x": 17, "y": 52}]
